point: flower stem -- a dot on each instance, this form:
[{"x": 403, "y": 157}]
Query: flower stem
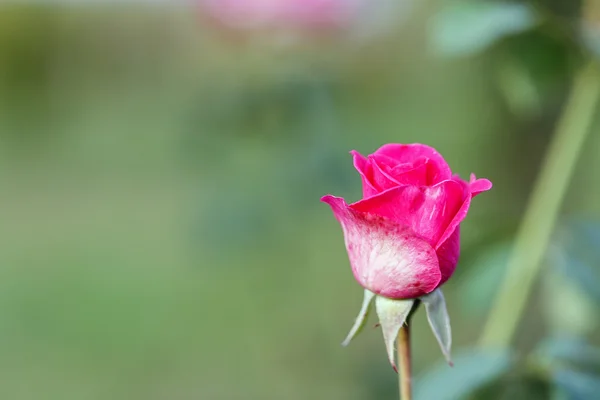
[
  {"x": 404, "y": 373},
  {"x": 543, "y": 208}
]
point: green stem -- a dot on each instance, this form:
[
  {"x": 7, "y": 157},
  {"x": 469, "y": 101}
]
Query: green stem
[
  {"x": 543, "y": 208},
  {"x": 404, "y": 372}
]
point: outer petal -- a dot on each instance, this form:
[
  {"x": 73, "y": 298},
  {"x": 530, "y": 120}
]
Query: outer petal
[
  {"x": 476, "y": 186},
  {"x": 428, "y": 211},
  {"x": 448, "y": 254},
  {"x": 409, "y": 153},
  {"x": 387, "y": 258},
  {"x": 479, "y": 185},
  {"x": 365, "y": 169}
]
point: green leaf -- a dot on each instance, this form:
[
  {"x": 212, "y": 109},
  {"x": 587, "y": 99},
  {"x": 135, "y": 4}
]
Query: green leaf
[
  {"x": 519, "y": 88},
  {"x": 577, "y": 385},
  {"x": 569, "y": 351},
  {"x": 517, "y": 385},
  {"x": 583, "y": 274},
  {"x": 472, "y": 369},
  {"x": 566, "y": 308},
  {"x": 468, "y": 27},
  {"x": 579, "y": 241}
]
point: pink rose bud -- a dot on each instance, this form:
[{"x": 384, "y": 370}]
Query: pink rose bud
[{"x": 403, "y": 237}]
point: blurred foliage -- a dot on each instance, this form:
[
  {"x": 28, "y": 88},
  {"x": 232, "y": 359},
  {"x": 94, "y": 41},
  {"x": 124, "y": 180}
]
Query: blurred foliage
[
  {"x": 473, "y": 369},
  {"x": 466, "y": 28},
  {"x": 162, "y": 236}
]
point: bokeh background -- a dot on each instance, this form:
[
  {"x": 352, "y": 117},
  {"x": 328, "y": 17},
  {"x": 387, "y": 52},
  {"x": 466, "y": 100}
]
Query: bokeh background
[{"x": 161, "y": 167}]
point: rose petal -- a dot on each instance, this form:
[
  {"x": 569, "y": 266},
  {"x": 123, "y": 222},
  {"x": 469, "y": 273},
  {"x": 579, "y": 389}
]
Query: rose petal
[
  {"x": 448, "y": 254},
  {"x": 380, "y": 178},
  {"x": 365, "y": 169},
  {"x": 417, "y": 173},
  {"x": 428, "y": 211},
  {"x": 387, "y": 258},
  {"x": 479, "y": 185},
  {"x": 409, "y": 153},
  {"x": 458, "y": 218},
  {"x": 425, "y": 172}
]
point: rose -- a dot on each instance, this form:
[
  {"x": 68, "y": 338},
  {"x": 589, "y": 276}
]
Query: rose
[
  {"x": 403, "y": 237},
  {"x": 300, "y": 14}
]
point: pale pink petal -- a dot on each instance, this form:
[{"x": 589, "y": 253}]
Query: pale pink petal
[
  {"x": 387, "y": 258},
  {"x": 365, "y": 169},
  {"x": 409, "y": 153},
  {"x": 428, "y": 211}
]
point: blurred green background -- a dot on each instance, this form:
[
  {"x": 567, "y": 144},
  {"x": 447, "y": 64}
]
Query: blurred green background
[{"x": 161, "y": 232}]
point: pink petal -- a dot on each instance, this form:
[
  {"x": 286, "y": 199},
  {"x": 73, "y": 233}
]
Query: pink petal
[
  {"x": 365, "y": 169},
  {"x": 387, "y": 258},
  {"x": 428, "y": 211},
  {"x": 448, "y": 254},
  {"x": 385, "y": 173},
  {"x": 416, "y": 174},
  {"x": 479, "y": 185},
  {"x": 424, "y": 172},
  {"x": 409, "y": 153},
  {"x": 380, "y": 178},
  {"x": 458, "y": 218}
]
